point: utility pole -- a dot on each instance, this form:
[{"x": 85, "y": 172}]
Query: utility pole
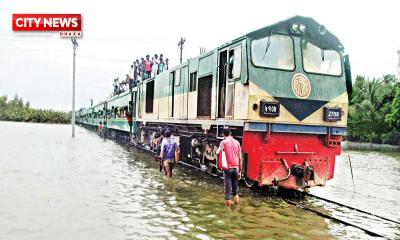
[
  {"x": 74, "y": 44},
  {"x": 180, "y": 45}
]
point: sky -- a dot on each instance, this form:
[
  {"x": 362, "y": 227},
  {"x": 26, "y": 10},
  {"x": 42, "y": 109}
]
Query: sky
[{"x": 38, "y": 66}]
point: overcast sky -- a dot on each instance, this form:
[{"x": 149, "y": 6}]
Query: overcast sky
[{"x": 38, "y": 67}]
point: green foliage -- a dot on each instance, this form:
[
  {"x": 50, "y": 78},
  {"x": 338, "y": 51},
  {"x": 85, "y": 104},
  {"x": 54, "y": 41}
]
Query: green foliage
[
  {"x": 371, "y": 108},
  {"x": 393, "y": 118},
  {"x": 15, "y": 110}
]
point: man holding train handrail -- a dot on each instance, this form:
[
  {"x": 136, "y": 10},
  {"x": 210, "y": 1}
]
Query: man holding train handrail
[{"x": 230, "y": 162}]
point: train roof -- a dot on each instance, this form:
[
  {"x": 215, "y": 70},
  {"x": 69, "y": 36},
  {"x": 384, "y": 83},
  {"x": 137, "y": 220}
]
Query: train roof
[{"x": 315, "y": 32}]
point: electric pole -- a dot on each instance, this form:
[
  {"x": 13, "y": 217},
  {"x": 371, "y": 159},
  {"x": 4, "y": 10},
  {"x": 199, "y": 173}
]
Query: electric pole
[
  {"x": 74, "y": 44},
  {"x": 180, "y": 45}
]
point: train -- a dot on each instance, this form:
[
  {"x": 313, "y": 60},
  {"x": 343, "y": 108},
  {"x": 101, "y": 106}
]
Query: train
[{"x": 282, "y": 90}]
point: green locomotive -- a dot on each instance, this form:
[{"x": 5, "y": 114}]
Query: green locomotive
[{"x": 283, "y": 89}]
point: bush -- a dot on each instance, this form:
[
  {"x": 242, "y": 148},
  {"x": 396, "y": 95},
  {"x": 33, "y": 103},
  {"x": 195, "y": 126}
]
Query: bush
[{"x": 15, "y": 110}]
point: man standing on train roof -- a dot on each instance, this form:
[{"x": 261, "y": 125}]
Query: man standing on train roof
[
  {"x": 166, "y": 66},
  {"x": 168, "y": 150},
  {"x": 142, "y": 68},
  {"x": 147, "y": 67},
  {"x": 161, "y": 64},
  {"x": 154, "y": 66},
  {"x": 231, "y": 163},
  {"x": 116, "y": 86}
]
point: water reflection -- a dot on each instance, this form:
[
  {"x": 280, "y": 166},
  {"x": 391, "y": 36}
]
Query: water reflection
[{"x": 55, "y": 187}]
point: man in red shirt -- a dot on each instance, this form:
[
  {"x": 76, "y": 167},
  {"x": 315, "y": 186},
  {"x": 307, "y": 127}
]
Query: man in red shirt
[
  {"x": 147, "y": 67},
  {"x": 231, "y": 164}
]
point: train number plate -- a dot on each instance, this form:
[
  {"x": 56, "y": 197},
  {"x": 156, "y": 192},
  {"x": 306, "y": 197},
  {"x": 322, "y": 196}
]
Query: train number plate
[
  {"x": 332, "y": 114},
  {"x": 269, "y": 109}
]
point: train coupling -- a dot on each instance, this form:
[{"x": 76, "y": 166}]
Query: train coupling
[{"x": 303, "y": 171}]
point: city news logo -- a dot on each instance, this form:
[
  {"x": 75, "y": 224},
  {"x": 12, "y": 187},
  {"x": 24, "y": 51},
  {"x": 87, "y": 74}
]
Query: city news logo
[{"x": 68, "y": 25}]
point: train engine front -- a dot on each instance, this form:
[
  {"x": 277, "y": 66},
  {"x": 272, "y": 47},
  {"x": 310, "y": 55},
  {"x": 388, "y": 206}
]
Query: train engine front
[{"x": 298, "y": 84}]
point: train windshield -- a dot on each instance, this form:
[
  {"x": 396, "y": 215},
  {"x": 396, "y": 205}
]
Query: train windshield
[
  {"x": 317, "y": 60},
  {"x": 275, "y": 51}
]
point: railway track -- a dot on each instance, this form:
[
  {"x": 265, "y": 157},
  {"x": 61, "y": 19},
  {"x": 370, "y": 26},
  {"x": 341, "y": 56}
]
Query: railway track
[
  {"x": 302, "y": 205},
  {"x": 345, "y": 222},
  {"x": 340, "y": 220}
]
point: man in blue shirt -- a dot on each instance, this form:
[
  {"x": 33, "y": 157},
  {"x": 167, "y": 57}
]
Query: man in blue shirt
[{"x": 168, "y": 150}]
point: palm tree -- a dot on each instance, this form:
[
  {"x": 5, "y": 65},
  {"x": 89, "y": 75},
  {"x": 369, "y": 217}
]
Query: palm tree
[{"x": 368, "y": 109}]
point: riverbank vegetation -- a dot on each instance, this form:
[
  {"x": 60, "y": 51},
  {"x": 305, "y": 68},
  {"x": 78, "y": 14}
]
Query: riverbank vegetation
[
  {"x": 16, "y": 110},
  {"x": 374, "y": 112}
]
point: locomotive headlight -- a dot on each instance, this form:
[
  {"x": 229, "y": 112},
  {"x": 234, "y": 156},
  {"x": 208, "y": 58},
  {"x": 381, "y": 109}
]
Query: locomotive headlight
[
  {"x": 302, "y": 28},
  {"x": 295, "y": 27}
]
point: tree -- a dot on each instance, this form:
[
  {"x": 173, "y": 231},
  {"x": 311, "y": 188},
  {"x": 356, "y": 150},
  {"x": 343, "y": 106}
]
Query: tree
[
  {"x": 393, "y": 118},
  {"x": 16, "y": 110},
  {"x": 370, "y": 103}
]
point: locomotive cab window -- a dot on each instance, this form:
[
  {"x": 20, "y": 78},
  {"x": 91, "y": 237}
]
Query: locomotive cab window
[
  {"x": 274, "y": 51},
  {"x": 235, "y": 63},
  {"x": 321, "y": 61}
]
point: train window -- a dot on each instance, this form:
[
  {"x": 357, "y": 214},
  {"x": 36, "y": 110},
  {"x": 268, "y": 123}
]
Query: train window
[
  {"x": 275, "y": 51},
  {"x": 317, "y": 60},
  {"x": 177, "y": 77},
  {"x": 235, "y": 63},
  {"x": 193, "y": 79}
]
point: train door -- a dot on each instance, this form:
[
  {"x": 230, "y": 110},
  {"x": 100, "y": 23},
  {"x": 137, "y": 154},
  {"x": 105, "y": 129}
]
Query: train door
[
  {"x": 105, "y": 114},
  {"x": 178, "y": 94},
  {"x": 140, "y": 100},
  {"x": 223, "y": 59},
  {"x": 228, "y": 72},
  {"x": 149, "y": 105},
  {"x": 133, "y": 101},
  {"x": 184, "y": 91},
  {"x": 233, "y": 73},
  {"x": 171, "y": 94}
]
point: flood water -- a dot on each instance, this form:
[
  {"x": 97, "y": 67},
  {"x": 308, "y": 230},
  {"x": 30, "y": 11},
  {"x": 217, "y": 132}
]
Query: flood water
[{"x": 56, "y": 187}]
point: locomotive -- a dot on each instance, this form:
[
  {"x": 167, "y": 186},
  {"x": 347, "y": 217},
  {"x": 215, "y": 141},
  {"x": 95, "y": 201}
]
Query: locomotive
[{"x": 283, "y": 91}]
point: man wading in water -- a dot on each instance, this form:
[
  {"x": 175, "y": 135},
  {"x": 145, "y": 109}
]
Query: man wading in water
[
  {"x": 168, "y": 150},
  {"x": 231, "y": 163}
]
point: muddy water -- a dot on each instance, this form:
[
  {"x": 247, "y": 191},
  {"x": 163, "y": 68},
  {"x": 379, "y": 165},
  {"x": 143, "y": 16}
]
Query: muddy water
[
  {"x": 55, "y": 187},
  {"x": 376, "y": 189}
]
